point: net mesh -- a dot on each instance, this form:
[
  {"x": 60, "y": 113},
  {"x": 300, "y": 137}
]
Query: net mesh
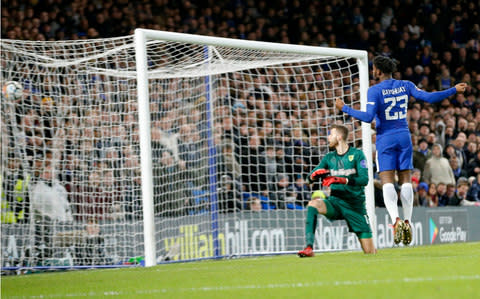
[
  {"x": 70, "y": 163},
  {"x": 234, "y": 132}
]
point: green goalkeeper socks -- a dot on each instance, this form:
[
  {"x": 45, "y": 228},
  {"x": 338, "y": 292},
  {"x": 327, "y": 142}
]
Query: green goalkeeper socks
[{"x": 311, "y": 225}]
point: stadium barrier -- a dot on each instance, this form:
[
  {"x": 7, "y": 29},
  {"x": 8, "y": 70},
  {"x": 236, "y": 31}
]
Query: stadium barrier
[{"x": 190, "y": 238}]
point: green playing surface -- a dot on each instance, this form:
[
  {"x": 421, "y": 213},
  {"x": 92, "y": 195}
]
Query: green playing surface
[{"x": 441, "y": 271}]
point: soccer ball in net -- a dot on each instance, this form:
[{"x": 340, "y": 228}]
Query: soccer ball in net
[{"x": 12, "y": 90}]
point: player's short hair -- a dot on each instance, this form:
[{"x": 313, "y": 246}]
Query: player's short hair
[
  {"x": 343, "y": 130},
  {"x": 385, "y": 64}
]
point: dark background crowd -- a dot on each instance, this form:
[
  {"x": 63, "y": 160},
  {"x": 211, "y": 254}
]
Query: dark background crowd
[{"x": 436, "y": 44}]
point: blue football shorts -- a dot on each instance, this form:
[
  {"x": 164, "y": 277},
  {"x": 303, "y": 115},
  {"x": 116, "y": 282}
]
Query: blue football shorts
[{"x": 394, "y": 152}]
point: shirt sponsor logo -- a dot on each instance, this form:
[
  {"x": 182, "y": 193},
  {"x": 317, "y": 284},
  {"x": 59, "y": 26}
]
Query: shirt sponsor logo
[{"x": 345, "y": 172}]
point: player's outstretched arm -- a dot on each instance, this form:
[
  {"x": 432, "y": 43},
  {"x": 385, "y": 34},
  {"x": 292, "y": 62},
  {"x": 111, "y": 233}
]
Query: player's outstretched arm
[
  {"x": 365, "y": 116},
  {"x": 339, "y": 104},
  {"x": 461, "y": 87},
  {"x": 436, "y": 96}
]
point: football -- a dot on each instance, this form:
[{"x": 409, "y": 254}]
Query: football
[{"x": 12, "y": 90}]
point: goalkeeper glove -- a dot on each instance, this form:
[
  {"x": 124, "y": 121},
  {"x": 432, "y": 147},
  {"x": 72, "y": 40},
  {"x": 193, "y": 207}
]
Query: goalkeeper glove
[
  {"x": 334, "y": 180},
  {"x": 319, "y": 173}
]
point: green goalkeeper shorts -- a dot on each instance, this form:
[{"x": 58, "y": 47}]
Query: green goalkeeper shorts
[{"x": 355, "y": 216}]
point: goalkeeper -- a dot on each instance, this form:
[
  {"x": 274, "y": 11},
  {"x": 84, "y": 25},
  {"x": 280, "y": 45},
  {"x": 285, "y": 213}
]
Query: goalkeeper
[{"x": 344, "y": 170}]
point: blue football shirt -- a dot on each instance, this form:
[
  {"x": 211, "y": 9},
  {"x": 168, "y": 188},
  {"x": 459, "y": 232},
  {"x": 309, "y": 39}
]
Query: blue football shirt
[{"x": 388, "y": 103}]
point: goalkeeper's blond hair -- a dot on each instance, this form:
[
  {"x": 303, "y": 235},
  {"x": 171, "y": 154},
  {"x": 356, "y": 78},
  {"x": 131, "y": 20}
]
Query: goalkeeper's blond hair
[{"x": 342, "y": 130}]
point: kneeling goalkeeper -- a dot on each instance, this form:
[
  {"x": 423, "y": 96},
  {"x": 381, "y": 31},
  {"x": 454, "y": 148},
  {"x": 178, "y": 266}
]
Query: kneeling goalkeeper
[{"x": 344, "y": 170}]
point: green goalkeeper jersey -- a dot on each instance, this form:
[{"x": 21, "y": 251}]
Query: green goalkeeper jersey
[{"x": 351, "y": 165}]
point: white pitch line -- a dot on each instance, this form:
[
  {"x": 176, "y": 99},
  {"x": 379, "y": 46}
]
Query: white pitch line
[{"x": 260, "y": 287}]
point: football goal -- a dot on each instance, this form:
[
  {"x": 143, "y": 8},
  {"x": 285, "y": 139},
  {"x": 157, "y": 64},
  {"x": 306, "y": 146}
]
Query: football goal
[{"x": 164, "y": 146}]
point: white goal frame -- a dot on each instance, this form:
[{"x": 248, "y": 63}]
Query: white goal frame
[{"x": 141, "y": 38}]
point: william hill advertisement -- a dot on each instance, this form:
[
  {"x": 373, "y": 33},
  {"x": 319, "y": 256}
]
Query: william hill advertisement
[
  {"x": 192, "y": 237},
  {"x": 263, "y": 232}
]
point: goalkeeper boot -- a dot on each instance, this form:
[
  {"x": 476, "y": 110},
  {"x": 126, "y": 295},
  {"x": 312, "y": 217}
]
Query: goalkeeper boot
[
  {"x": 307, "y": 252},
  {"x": 407, "y": 233},
  {"x": 398, "y": 231}
]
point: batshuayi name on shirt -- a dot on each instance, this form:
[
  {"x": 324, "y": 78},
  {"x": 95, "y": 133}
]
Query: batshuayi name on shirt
[{"x": 393, "y": 91}]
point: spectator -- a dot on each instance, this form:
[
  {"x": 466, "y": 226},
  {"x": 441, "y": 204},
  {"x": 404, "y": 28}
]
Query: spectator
[
  {"x": 440, "y": 131},
  {"x": 473, "y": 166},
  {"x": 432, "y": 195},
  {"x": 451, "y": 196},
  {"x": 170, "y": 195},
  {"x": 282, "y": 193},
  {"x": 191, "y": 149},
  {"x": 229, "y": 195},
  {"x": 164, "y": 136},
  {"x": 449, "y": 151},
  {"x": 15, "y": 196},
  {"x": 422, "y": 191},
  {"x": 272, "y": 167},
  {"x": 91, "y": 250},
  {"x": 50, "y": 205},
  {"x": 49, "y": 199},
  {"x": 460, "y": 198},
  {"x": 421, "y": 154},
  {"x": 470, "y": 153},
  {"x": 423, "y": 130},
  {"x": 457, "y": 171},
  {"x": 415, "y": 183},
  {"x": 386, "y": 19},
  {"x": 416, "y": 176},
  {"x": 442, "y": 194},
  {"x": 431, "y": 139},
  {"x": 253, "y": 167},
  {"x": 459, "y": 144},
  {"x": 227, "y": 162},
  {"x": 266, "y": 133},
  {"x": 302, "y": 190},
  {"x": 116, "y": 190},
  {"x": 437, "y": 168},
  {"x": 474, "y": 190},
  {"x": 133, "y": 193},
  {"x": 444, "y": 81},
  {"x": 91, "y": 199},
  {"x": 254, "y": 204},
  {"x": 449, "y": 135}
]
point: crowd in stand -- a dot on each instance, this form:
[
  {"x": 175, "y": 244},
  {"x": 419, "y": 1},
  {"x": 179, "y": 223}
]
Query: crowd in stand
[{"x": 435, "y": 44}]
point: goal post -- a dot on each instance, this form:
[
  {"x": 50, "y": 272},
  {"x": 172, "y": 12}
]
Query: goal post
[
  {"x": 143, "y": 35},
  {"x": 165, "y": 146},
  {"x": 367, "y": 147},
  {"x": 145, "y": 149}
]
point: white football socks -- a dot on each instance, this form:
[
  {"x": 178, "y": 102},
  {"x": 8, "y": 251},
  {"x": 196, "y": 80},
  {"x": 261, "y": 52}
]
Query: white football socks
[
  {"x": 390, "y": 199},
  {"x": 406, "y": 196}
]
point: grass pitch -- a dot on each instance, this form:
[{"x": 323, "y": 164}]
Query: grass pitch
[{"x": 441, "y": 271}]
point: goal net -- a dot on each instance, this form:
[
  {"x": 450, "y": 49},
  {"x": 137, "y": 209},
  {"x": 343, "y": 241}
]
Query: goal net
[{"x": 168, "y": 146}]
